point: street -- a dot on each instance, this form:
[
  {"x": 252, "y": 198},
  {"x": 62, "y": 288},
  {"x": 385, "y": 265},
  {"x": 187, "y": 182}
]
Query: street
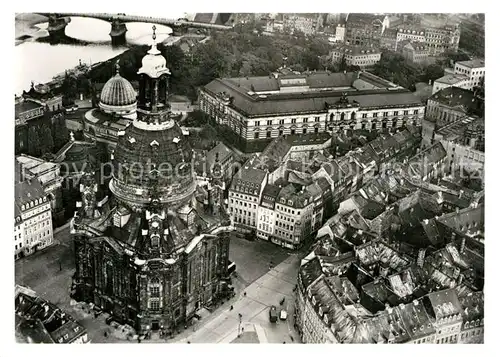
[
  {"x": 49, "y": 273},
  {"x": 267, "y": 290}
]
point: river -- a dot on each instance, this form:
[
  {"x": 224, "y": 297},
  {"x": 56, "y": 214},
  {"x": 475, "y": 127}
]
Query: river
[{"x": 39, "y": 61}]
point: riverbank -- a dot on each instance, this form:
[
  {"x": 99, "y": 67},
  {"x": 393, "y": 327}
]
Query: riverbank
[{"x": 25, "y": 26}]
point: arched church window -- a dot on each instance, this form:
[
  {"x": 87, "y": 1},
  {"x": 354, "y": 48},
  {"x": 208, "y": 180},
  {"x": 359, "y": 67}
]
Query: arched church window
[
  {"x": 353, "y": 116},
  {"x": 154, "y": 287},
  {"x": 342, "y": 116},
  {"x": 331, "y": 117}
]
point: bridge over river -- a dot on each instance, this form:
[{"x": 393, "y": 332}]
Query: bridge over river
[{"x": 58, "y": 21}]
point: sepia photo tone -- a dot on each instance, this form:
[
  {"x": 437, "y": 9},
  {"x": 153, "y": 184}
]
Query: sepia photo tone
[{"x": 312, "y": 178}]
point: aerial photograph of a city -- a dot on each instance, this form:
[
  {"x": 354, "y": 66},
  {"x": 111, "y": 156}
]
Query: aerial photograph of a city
[{"x": 255, "y": 178}]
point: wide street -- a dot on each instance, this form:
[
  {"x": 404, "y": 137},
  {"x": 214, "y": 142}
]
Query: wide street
[{"x": 49, "y": 272}]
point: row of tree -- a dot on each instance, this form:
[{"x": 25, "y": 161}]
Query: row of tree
[
  {"x": 393, "y": 66},
  {"x": 240, "y": 52},
  {"x": 45, "y": 140}
]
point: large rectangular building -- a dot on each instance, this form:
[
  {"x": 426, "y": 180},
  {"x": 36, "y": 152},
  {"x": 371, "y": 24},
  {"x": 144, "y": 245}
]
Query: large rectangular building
[{"x": 263, "y": 108}]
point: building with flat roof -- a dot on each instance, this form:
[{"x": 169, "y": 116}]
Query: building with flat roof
[
  {"x": 466, "y": 75},
  {"x": 259, "y": 109}
]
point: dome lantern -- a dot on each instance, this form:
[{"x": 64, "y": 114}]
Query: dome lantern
[{"x": 154, "y": 65}]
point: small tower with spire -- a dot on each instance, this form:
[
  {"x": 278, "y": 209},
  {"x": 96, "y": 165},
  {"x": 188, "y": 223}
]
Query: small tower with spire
[{"x": 153, "y": 80}]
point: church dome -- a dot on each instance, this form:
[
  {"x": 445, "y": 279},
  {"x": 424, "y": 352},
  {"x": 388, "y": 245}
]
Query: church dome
[
  {"x": 118, "y": 96},
  {"x": 153, "y": 160}
]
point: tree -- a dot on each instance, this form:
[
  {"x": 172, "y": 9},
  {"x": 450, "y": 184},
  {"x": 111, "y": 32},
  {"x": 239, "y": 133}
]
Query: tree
[
  {"x": 451, "y": 57},
  {"x": 46, "y": 141},
  {"x": 33, "y": 141},
  {"x": 61, "y": 133},
  {"x": 432, "y": 72},
  {"x": 69, "y": 88}
]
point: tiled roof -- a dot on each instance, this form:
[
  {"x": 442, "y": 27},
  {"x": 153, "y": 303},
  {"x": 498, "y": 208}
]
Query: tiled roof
[
  {"x": 310, "y": 271},
  {"x": 472, "y": 306},
  {"x": 416, "y": 320},
  {"x": 455, "y": 97},
  {"x": 378, "y": 252},
  {"x": 248, "y": 180},
  {"x": 26, "y": 192},
  {"x": 355, "y": 50},
  {"x": 444, "y": 303},
  {"x": 468, "y": 219},
  {"x": 423, "y": 163}
]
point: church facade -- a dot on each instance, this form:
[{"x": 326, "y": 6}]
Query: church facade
[{"x": 138, "y": 255}]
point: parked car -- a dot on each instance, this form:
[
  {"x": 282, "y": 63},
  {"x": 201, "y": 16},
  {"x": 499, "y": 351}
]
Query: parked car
[
  {"x": 109, "y": 320},
  {"x": 273, "y": 314},
  {"x": 283, "y": 314}
]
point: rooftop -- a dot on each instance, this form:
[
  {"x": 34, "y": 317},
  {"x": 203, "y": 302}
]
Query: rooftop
[
  {"x": 475, "y": 63},
  {"x": 356, "y": 50},
  {"x": 26, "y": 192},
  {"x": 455, "y": 97},
  {"x": 451, "y": 79},
  {"x": 260, "y": 96},
  {"x": 25, "y": 106}
]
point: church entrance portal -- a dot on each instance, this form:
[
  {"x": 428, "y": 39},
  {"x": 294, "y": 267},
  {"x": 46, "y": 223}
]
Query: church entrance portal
[{"x": 155, "y": 325}]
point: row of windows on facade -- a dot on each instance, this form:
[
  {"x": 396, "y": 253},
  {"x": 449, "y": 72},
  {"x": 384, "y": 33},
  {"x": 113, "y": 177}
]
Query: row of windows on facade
[
  {"x": 33, "y": 213},
  {"x": 242, "y": 212},
  {"x": 359, "y": 57},
  {"x": 468, "y": 71},
  {"x": 244, "y": 204},
  {"x": 316, "y": 130},
  {"x": 244, "y": 196},
  {"x": 31, "y": 240},
  {"x": 316, "y": 119},
  {"x": 472, "y": 333},
  {"x": 243, "y": 220},
  {"x": 31, "y": 230},
  {"x": 332, "y": 116}
]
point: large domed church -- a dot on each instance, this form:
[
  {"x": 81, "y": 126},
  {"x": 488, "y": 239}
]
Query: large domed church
[{"x": 139, "y": 253}]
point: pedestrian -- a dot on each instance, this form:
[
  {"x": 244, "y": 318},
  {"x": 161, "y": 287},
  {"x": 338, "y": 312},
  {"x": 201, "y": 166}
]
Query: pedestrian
[
  {"x": 245, "y": 293},
  {"x": 231, "y": 308},
  {"x": 60, "y": 266},
  {"x": 242, "y": 329}
]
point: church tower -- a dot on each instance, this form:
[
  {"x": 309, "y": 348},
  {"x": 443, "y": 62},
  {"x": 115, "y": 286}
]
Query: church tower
[{"x": 88, "y": 190}]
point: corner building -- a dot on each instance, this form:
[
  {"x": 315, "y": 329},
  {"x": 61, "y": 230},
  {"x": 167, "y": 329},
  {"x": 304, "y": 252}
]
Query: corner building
[{"x": 136, "y": 256}]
